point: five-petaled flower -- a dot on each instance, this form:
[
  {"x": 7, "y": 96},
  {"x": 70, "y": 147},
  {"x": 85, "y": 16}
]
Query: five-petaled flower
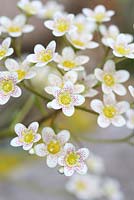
[
  {"x": 99, "y": 14},
  {"x": 26, "y": 136},
  {"x": 73, "y": 160},
  {"x": 66, "y": 98},
  {"x": 23, "y": 69},
  {"x": 30, "y": 7},
  {"x": 122, "y": 46},
  {"x": 110, "y": 111},
  {"x": 53, "y": 145},
  {"x": 15, "y": 27},
  {"x": 42, "y": 56},
  {"x": 5, "y": 49},
  {"x": 112, "y": 79},
  {"x": 8, "y": 87},
  {"x": 61, "y": 24},
  {"x": 70, "y": 61}
]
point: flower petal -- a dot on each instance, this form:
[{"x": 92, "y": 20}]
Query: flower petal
[
  {"x": 81, "y": 169},
  {"x": 40, "y": 150},
  {"x": 68, "y": 171},
  {"x": 84, "y": 153},
  {"x": 34, "y": 127},
  {"x": 15, "y": 142},
  {"x": 63, "y": 136},
  {"x": 103, "y": 121},
  {"x": 47, "y": 134},
  {"x": 118, "y": 121},
  {"x": 19, "y": 128},
  {"x": 52, "y": 161},
  {"x": 97, "y": 105}
]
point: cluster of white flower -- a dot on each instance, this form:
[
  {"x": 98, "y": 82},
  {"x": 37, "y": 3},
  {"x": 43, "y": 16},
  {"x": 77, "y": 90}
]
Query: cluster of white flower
[{"x": 68, "y": 85}]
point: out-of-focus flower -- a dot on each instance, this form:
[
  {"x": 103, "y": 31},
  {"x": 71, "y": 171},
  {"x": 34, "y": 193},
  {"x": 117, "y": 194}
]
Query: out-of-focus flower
[
  {"x": 53, "y": 145},
  {"x": 89, "y": 81},
  {"x": 110, "y": 111},
  {"x": 95, "y": 164},
  {"x": 130, "y": 119},
  {"x": 23, "y": 69},
  {"x": 83, "y": 26},
  {"x": 70, "y": 61},
  {"x": 5, "y": 49},
  {"x": 109, "y": 33},
  {"x": 49, "y": 10},
  {"x": 81, "y": 41},
  {"x": 42, "y": 56},
  {"x": 122, "y": 46},
  {"x": 30, "y": 7},
  {"x": 131, "y": 90},
  {"x": 112, "y": 79},
  {"x": 8, "y": 87},
  {"x": 111, "y": 190},
  {"x": 73, "y": 160},
  {"x": 15, "y": 27},
  {"x": 66, "y": 98},
  {"x": 26, "y": 136},
  {"x": 99, "y": 14},
  {"x": 58, "y": 81},
  {"x": 61, "y": 24},
  {"x": 85, "y": 187}
]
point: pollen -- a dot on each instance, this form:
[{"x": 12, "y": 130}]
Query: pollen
[
  {"x": 72, "y": 159},
  {"x": 45, "y": 56},
  {"x": 65, "y": 98},
  {"x": 2, "y": 52},
  {"x": 14, "y": 29},
  {"x": 28, "y": 136},
  {"x": 122, "y": 50},
  {"x": 21, "y": 74},
  {"x": 80, "y": 186},
  {"x": 109, "y": 111},
  {"x": 78, "y": 43},
  {"x": 29, "y": 8},
  {"x": 7, "y": 86},
  {"x": 53, "y": 147},
  {"x": 69, "y": 64},
  {"x": 99, "y": 17},
  {"x": 109, "y": 80},
  {"x": 62, "y": 25}
]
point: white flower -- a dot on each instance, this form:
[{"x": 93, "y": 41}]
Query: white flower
[
  {"x": 30, "y": 7},
  {"x": 8, "y": 87},
  {"x": 89, "y": 81},
  {"x": 83, "y": 25},
  {"x": 99, "y": 14},
  {"x": 112, "y": 79},
  {"x": 53, "y": 145},
  {"x": 70, "y": 61},
  {"x": 15, "y": 27},
  {"x": 66, "y": 98},
  {"x": 110, "y": 111},
  {"x": 42, "y": 56},
  {"x": 122, "y": 46},
  {"x": 26, "y": 136},
  {"x": 109, "y": 33},
  {"x": 130, "y": 119},
  {"x": 50, "y": 9},
  {"x": 85, "y": 187},
  {"x": 58, "y": 81},
  {"x": 73, "y": 160},
  {"x": 95, "y": 164},
  {"x": 23, "y": 69},
  {"x": 5, "y": 51},
  {"x": 111, "y": 190},
  {"x": 81, "y": 41},
  {"x": 131, "y": 90},
  {"x": 61, "y": 24}
]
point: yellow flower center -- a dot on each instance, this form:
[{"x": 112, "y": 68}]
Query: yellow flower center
[
  {"x": 69, "y": 64},
  {"x": 14, "y": 29},
  {"x": 122, "y": 50},
  {"x": 2, "y": 52},
  {"x": 21, "y": 74},
  {"x": 29, "y": 9},
  {"x": 99, "y": 17},
  {"x": 7, "y": 86},
  {"x": 45, "y": 56},
  {"x": 80, "y": 27},
  {"x": 62, "y": 25},
  {"x": 28, "y": 136},
  {"x": 65, "y": 98},
  {"x": 72, "y": 159},
  {"x": 53, "y": 147},
  {"x": 109, "y": 80},
  {"x": 78, "y": 43},
  {"x": 80, "y": 186},
  {"x": 109, "y": 111}
]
